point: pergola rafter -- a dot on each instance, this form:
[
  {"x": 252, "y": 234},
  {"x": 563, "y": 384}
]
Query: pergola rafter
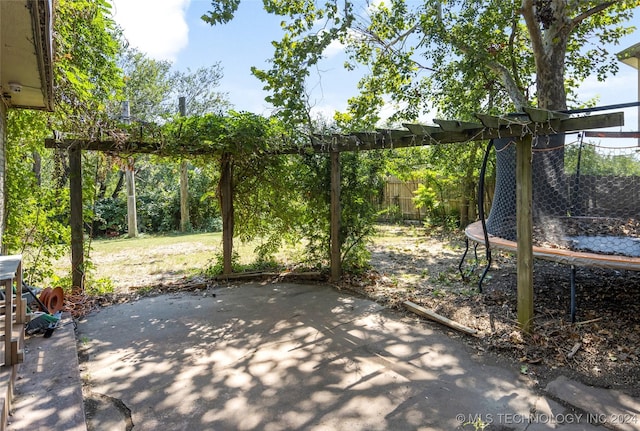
[
  {"x": 534, "y": 121},
  {"x": 521, "y": 127}
]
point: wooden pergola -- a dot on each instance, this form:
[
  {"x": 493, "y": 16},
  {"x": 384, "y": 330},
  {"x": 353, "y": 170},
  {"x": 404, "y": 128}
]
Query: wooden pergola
[
  {"x": 522, "y": 129},
  {"x": 631, "y": 57}
]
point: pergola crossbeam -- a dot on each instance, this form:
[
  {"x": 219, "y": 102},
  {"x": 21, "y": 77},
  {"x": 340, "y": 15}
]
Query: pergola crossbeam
[
  {"x": 456, "y": 126},
  {"x": 427, "y": 135},
  {"x": 415, "y": 135},
  {"x": 522, "y": 128},
  {"x": 541, "y": 115}
]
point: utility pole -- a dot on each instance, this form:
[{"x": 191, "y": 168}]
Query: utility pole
[
  {"x": 184, "y": 179},
  {"x": 129, "y": 175}
]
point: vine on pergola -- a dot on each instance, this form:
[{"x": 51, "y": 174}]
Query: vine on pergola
[
  {"x": 239, "y": 142},
  {"x": 238, "y": 133},
  {"x": 245, "y": 149}
]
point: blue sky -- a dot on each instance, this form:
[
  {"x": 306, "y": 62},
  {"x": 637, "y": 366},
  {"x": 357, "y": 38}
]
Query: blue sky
[
  {"x": 172, "y": 30},
  {"x": 175, "y": 32}
]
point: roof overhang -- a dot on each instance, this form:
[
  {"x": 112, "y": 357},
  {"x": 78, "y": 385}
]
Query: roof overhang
[
  {"x": 26, "y": 75},
  {"x": 631, "y": 56}
]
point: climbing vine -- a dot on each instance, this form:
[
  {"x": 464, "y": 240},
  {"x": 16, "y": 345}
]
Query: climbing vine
[{"x": 283, "y": 198}]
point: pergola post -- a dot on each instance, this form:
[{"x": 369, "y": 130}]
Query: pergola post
[
  {"x": 184, "y": 196},
  {"x": 226, "y": 207},
  {"x": 75, "y": 221},
  {"x": 524, "y": 228},
  {"x": 336, "y": 261}
]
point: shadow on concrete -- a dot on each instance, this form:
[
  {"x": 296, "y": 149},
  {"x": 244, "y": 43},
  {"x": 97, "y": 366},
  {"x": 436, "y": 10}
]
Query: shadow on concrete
[
  {"x": 283, "y": 356},
  {"x": 48, "y": 395}
]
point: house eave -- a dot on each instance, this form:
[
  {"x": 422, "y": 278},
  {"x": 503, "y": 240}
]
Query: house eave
[
  {"x": 631, "y": 56},
  {"x": 26, "y": 54}
]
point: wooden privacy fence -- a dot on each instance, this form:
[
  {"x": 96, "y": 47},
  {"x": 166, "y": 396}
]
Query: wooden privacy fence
[{"x": 398, "y": 200}]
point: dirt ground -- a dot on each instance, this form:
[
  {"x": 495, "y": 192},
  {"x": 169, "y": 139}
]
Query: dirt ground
[{"x": 602, "y": 348}]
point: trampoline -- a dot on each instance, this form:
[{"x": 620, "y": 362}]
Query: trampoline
[{"x": 586, "y": 206}]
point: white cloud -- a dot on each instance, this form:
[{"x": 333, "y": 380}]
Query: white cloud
[
  {"x": 374, "y": 5},
  {"x": 333, "y": 49},
  {"x": 324, "y": 111},
  {"x": 156, "y": 27}
]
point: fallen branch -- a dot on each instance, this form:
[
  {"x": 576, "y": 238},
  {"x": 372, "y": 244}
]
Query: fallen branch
[
  {"x": 411, "y": 306},
  {"x": 588, "y": 321},
  {"x": 574, "y": 350},
  {"x": 245, "y": 275},
  {"x": 310, "y": 276}
]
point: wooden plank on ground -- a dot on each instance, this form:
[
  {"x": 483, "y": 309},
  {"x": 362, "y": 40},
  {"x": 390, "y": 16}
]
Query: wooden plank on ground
[
  {"x": 424, "y": 312},
  {"x": 305, "y": 276}
]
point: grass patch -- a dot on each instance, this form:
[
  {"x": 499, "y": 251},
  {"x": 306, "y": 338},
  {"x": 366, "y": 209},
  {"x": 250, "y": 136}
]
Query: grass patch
[
  {"x": 120, "y": 244},
  {"x": 119, "y": 263}
]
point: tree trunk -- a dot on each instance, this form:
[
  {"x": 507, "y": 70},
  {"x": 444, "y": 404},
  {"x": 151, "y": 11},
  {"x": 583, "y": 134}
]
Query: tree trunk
[
  {"x": 551, "y": 187},
  {"x": 550, "y": 81},
  {"x": 61, "y": 167},
  {"x": 184, "y": 197},
  {"x": 37, "y": 167},
  {"x": 464, "y": 208},
  {"x": 102, "y": 190},
  {"x": 550, "y": 68},
  {"x": 119, "y": 185},
  {"x": 549, "y": 30}
]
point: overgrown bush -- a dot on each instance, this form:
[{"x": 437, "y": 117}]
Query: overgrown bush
[
  {"x": 362, "y": 182},
  {"x": 110, "y": 217}
]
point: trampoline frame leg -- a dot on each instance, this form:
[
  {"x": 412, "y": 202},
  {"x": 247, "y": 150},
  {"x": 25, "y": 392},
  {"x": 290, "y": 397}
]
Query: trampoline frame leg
[
  {"x": 475, "y": 264},
  {"x": 464, "y": 255},
  {"x": 486, "y": 270},
  {"x": 573, "y": 294}
]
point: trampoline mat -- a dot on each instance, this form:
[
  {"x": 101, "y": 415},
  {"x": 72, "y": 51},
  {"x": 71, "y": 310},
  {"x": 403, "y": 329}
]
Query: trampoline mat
[{"x": 620, "y": 245}]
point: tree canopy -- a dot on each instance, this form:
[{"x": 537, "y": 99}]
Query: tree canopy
[
  {"x": 502, "y": 54},
  {"x": 153, "y": 88},
  {"x": 457, "y": 56}
]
